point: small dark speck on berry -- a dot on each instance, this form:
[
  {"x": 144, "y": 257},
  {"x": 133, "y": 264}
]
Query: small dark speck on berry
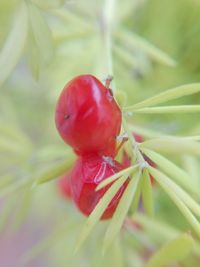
[{"x": 66, "y": 117}]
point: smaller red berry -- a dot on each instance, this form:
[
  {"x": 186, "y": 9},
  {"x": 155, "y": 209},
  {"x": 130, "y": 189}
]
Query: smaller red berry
[
  {"x": 64, "y": 186},
  {"x": 87, "y": 116},
  {"x": 88, "y": 172}
]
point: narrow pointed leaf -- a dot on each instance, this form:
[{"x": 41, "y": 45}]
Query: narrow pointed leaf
[
  {"x": 172, "y": 252},
  {"x": 135, "y": 202},
  {"x": 178, "y": 174},
  {"x": 147, "y": 195},
  {"x": 156, "y": 227},
  {"x": 172, "y": 145},
  {"x": 160, "y": 231},
  {"x": 177, "y": 201},
  {"x": 99, "y": 210},
  {"x": 169, "y": 109},
  {"x": 168, "y": 95},
  {"x": 145, "y": 132},
  {"x": 125, "y": 56},
  {"x": 155, "y": 53},
  {"x": 14, "y": 45},
  {"x": 180, "y": 193},
  {"x": 112, "y": 257},
  {"x": 121, "y": 211},
  {"x": 112, "y": 178},
  {"x": 41, "y": 33},
  {"x": 191, "y": 165},
  {"x": 55, "y": 171}
]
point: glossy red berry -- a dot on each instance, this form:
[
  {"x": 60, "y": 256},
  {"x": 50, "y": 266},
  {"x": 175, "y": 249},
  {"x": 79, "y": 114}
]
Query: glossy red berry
[
  {"x": 87, "y": 116},
  {"x": 88, "y": 172},
  {"x": 64, "y": 185}
]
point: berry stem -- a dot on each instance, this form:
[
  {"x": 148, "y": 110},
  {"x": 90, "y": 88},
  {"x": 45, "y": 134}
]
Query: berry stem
[{"x": 135, "y": 148}]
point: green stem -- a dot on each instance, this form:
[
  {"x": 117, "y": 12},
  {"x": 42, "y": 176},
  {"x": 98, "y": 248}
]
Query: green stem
[
  {"x": 135, "y": 148},
  {"x": 108, "y": 15}
]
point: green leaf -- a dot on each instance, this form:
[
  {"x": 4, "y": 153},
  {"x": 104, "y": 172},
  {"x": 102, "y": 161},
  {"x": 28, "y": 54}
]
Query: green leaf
[
  {"x": 121, "y": 211},
  {"x": 113, "y": 257},
  {"x": 147, "y": 195},
  {"x": 99, "y": 210},
  {"x": 160, "y": 231},
  {"x": 55, "y": 171},
  {"x": 42, "y": 34},
  {"x": 14, "y": 45},
  {"x": 185, "y": 197},
  {"x": 178, "y": 174},
  {"x": 145, "y": 132},
  {"x": 125, "y": 56},
  {"x": 179, "y": 197},
  {"x": 174, "y": 251},
  {"x": 52, "y": 152},
  {"x": 170, "y": 94},
  {"x": 138, "y": 42},
  {"x": 112, "y": 178},
  {"x": 135, "y": 202},
  {"x": 153, "y": 226},
  {"x": 156, "y": 134},
  {"x": 46, "y": 176},
  {"x": 169, "y": 109},
  {"x": 191, "y": 165},
  {"x": 131, "y": 138},
  {"x": 172, "y": 145}
]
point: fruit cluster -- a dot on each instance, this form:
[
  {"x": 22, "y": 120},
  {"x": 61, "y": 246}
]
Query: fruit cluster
[{"x": 89, "y": 120}]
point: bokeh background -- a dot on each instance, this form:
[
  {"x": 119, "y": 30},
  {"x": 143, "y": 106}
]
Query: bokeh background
[{"x": 154, "y": 45}]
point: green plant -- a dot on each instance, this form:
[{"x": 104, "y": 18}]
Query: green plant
[{"x": 46, "y": 43}]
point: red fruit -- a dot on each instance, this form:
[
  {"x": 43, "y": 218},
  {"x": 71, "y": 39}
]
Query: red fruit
[
  {"x": 87, "y": 116},
  {"x": 88, "y": 172},
  {"x": 64, "y": 185}
]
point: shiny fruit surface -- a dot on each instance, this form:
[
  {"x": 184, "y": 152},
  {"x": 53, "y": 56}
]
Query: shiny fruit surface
[
  {"x": 88, "y": 172},
  {"x": 87, "y": 116}
]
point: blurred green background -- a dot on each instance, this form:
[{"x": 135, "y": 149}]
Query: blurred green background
[{"x": 155, "y": 45}]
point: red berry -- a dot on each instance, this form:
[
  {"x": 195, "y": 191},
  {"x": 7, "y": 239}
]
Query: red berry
[
  {"x": 88, "y": 172},
  {"x": 64, "y": 185},
  {"x": 87, "y": 116}
]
